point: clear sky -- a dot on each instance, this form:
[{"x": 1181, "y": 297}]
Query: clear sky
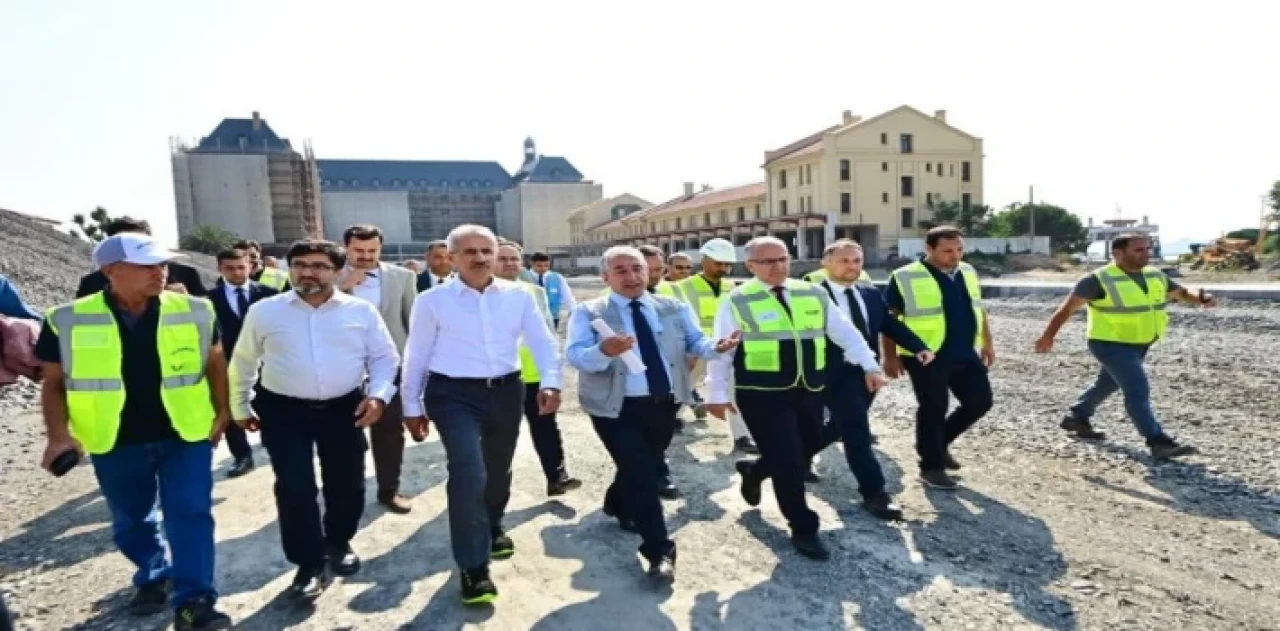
[{"x": 1166, "y": 109}]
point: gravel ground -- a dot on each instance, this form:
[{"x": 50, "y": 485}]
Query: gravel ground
[{"x": 1047, "y": 533}]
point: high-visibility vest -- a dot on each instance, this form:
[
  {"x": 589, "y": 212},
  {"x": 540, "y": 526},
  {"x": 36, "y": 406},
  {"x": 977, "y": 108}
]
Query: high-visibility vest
[
  {"x": 551, "y": 283},
  {"x": 922, "y": 310},
  {"x": 92, "y": 354},
  {"x": 697, "y": 292},
  {"x": 819, "y": 275},
  {"x": 529, "y": 368},
  {"x": 1127, "y": 314},
  {"x": 273, "y": 278},
  {"x": 780, "y": 351},
  {"x": 663, "y": 288}
]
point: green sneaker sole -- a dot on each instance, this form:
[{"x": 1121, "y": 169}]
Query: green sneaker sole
[{"x": 481, "y": 599}]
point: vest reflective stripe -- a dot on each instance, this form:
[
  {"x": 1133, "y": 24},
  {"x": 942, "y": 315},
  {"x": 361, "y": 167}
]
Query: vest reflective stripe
[
  {"x": 273, "y": 278},
  {"x": 91, "y": 353},
  {"x": 922, "y": 303},
  {"x": 551, "y": 284},
  {"x": 765, "y": 325},
  {"x": 819, "y": 275},
  {"x": 1126, "y": 314},
  {"x": 528, "y": 367},
  {"x": 697, "y": 292}
]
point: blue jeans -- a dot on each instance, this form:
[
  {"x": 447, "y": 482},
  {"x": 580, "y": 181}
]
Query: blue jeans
[
  {"x": 181, "y": 475},
  {"x": 1122, "y": 370}
]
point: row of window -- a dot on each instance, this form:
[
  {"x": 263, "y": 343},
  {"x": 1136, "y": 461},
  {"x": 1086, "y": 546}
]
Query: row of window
[
  {"x": 398, "y": 183},
  {"x": 805, "y": 173}
]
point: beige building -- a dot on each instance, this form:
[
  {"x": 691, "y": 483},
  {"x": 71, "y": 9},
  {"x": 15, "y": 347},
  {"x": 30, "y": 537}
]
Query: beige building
[
  {"x": 873, "y": 180},
  {"x": 688, "y": 220}
]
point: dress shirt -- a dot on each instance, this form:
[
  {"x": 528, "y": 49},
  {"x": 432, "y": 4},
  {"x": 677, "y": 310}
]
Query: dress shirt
[
  {"x": 843, "y": 300},
  {"x": 370, "y": 288},
  {"x": 440, "y": 280},
  {"x": 840, "y": 330},
  {"x": 314, "y": 353},
  {"x": 584, "y": 352},
  {"x": 460, "y": 332},
  {"x": 232, "y": 299},
  {"x": 566, "y": 293}
]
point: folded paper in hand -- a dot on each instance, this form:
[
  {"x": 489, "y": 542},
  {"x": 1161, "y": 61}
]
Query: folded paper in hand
[{"x": 631, "y": 358}]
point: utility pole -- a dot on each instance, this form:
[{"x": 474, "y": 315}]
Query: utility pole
[{"x": 1031, "y": 208}]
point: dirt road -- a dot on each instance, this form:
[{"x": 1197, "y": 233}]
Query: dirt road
[{"x": 1047, "y": 532}]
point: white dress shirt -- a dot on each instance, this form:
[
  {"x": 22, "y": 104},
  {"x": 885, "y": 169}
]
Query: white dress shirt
[
  {"x": 460, "y": 332},
  {"x": 843, "y": 300},
  {"x": 840, "y": 329},
  {"x": 232, "y": 299},
  {"x": 314, "y": 353},
  {"x": 370, "y": 288}
]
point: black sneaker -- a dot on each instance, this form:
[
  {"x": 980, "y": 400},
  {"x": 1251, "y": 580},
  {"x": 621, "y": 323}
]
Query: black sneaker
[
  {"x": 502, "y": 547},
  {"x": 1165, "y": 448},
  {"x": 883, "y": 507},
  {"x": 750, "y": 488},
  {"x": 667, "y": 490},
  {"x": 1082, "y": 428},
  {"x": 663, "y": 568},
  {"x": 811, "y": 546},
  {"x": 746, "y": 446},
  {"x": 150, "y": 599},
  {"x": 949, "y": 462},
  {"x": 241, "y": 467},
  {"x": 198, "y": 614},
  {"x": 477, "y": 587},
  {"x": 563, "y": 485},
  {"x": 343, "y": 561},
  {"x": 309, "y": 583},
  {"x": 938, "y": 479}
]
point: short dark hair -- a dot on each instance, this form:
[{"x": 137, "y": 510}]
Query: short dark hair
[
  {"x": 840, "y": 244},
  {"x": 126, "y": 224},
  {"x": 938, "y": 233},
  {"x": 650, "y": 250},
  {"x": 363, "y": 232},
  {"x": 336, "y": 253},
  {"x": 438, "y": 243},
  {"x": 1123, "y": 241},
  {"x": 539, "y": 257},
  {"x": 247, "y": 244},
  {"x": 230, "y": 254}
]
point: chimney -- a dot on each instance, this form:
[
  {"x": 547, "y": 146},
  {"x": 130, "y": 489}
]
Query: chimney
[
  {"x": 257, "y": 121},
  {"x": 849, "y": 118},
  {"x": 940, "y": 115},
  {"x": 688, "y": 189}
]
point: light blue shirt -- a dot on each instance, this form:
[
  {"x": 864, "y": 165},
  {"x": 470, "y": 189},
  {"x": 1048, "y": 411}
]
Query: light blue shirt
[{"x": 584, "y": 353}]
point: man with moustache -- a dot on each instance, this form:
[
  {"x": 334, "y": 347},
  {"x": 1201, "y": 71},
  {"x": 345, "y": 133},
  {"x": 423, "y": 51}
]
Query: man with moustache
[
  {"x": 314, "y": 348},
  {"x": 463, "y": 352},
  {"x": 182, "y": 278},
  {"x": 439, "y": 270},
  {"x": 391, "y": 289}
]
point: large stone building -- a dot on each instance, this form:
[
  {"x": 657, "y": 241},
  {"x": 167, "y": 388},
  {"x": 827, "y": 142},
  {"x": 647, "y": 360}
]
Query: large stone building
[
  {"x": 245, "y": 178},
  {"x": 690, "y": 219}
]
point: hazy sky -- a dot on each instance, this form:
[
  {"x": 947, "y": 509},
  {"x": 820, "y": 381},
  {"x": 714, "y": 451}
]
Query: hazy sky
[{"x": 1168, "y": 109}]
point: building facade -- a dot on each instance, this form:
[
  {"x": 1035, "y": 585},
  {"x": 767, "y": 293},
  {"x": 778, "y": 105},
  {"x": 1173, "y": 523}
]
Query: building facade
[{"x": 536, "y": 207}]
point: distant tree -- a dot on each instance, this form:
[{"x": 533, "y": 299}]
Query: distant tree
[
  {"x": 973, "y": 221},
  {"x": 208, "y": 239},
  {"x": 1275, "y": 202},
  {"x": 1065, "y": 232},
  {"x": 91, "y": 227}
]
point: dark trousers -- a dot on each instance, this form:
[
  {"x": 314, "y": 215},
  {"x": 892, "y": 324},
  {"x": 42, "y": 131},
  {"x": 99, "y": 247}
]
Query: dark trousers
[
  {"x": 636, "y": 441},
  {"x": 479, "y": 425},
  {"x": 787, "y": 427},
  {"x": 294, "y": 431},
  {"x": 847, "y": 402},
  {"x": 238, "y": 442},
  {"x": 546, "y": 435},
  {"x": 935, "y": 430},
  {"x": 386, "y": 440}
]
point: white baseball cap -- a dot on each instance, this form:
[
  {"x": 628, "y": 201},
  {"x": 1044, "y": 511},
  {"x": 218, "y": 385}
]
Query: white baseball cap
[{"x": 132, "y": 247}]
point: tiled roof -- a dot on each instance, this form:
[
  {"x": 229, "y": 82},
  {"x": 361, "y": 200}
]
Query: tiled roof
[
  {"x": 809, "y": 144},
  {"x": 339, "y": 175},
  {"x": 548, "y": 169},
  {"x": 639, "y": 214},
  {"x": 711, "y": 198},
  {"x": 225, "y": 138},
  {"x": 608, "y": 201}
]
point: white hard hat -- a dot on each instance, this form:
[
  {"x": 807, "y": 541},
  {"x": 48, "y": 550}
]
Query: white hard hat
[{"x": 719, "y": 250}]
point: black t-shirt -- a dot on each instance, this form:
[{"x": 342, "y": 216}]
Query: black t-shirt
[
  {"x": 144, "y": 418},
  {"x": 1090, "y": 288},
  {"x": 96, "y": 281},
  {"x": 962, "y": 322}
]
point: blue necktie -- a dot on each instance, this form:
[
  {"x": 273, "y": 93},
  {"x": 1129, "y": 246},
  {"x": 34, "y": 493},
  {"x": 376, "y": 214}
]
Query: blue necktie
[
  {"x": 242, "y": 302},
  {"x": 654, "y": 370}
]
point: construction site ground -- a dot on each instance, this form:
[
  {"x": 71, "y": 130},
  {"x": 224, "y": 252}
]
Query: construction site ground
[{"x": 1047, "y": 532}]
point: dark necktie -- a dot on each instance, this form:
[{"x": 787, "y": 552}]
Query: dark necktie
[
  {"x": 242, "y": 302},
  {"x": 856, "y": 313},
  {"x": 654, "y": 370},
  {"x": 540, "y": 283},
  {"x": 777, "y": 292}
]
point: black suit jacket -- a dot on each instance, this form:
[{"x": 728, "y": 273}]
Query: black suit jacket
[
  {"x": 96, "y": 281},
  {"x": 228, "y": 321},
  {"x": 426, "y": 280},
  {"x": 879, "y": 321}
]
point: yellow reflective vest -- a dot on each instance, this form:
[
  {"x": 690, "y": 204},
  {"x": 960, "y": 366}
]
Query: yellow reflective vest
[
  {"x": 922, "y": 303},
  {"x": 780, "y": 351},
  {"x": 273, "y": 278},
  {"x": 1126, "y": 314},
  {"x": 529, "y": 368},
  {"x": 90, "y": 346},
  {"x": 697, "y": 292},
  {"x": 819, "y": 275}
]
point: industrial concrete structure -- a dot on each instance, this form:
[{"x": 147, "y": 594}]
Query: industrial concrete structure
[
  {"x": 535, "y": 209},
  {"x": 244, "y": 178}
]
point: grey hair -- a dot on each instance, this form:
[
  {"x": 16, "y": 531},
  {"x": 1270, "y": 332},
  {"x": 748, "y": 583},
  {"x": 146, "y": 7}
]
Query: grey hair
[
  {"x": 751, "y": 245},
  {"x": 469, "y": 230},
  {"x": 619, "y": 251},
  {"x": 840, "y": 244}
]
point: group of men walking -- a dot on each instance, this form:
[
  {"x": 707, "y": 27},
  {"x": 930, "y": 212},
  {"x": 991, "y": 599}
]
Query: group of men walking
[{"x": 145, "y": 376}]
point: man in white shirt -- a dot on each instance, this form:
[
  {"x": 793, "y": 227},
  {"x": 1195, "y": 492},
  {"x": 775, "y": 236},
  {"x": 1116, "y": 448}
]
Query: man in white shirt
[
  {"x": 463, "y": 351},
  {"x": 778, "y": 376},
  {"x": 315, "y": 347},
  {"x": 391, "y": 289}
]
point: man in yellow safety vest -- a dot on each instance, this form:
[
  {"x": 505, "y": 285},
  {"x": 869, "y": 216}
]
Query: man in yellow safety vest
[
  {"x": 1126, "y": 301},
  {"x": 263, "y": 274},
  {"x": 135, "y": 376}
]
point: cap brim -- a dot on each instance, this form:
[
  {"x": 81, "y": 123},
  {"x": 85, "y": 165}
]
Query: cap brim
[{"x": 154, "y": 258}]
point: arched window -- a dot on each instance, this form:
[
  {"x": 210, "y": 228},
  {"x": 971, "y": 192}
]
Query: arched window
[
  {"x": 374, "y": 182},
  {"x": 355, "y": 182},
  {"x": 462, "y": 183}
]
